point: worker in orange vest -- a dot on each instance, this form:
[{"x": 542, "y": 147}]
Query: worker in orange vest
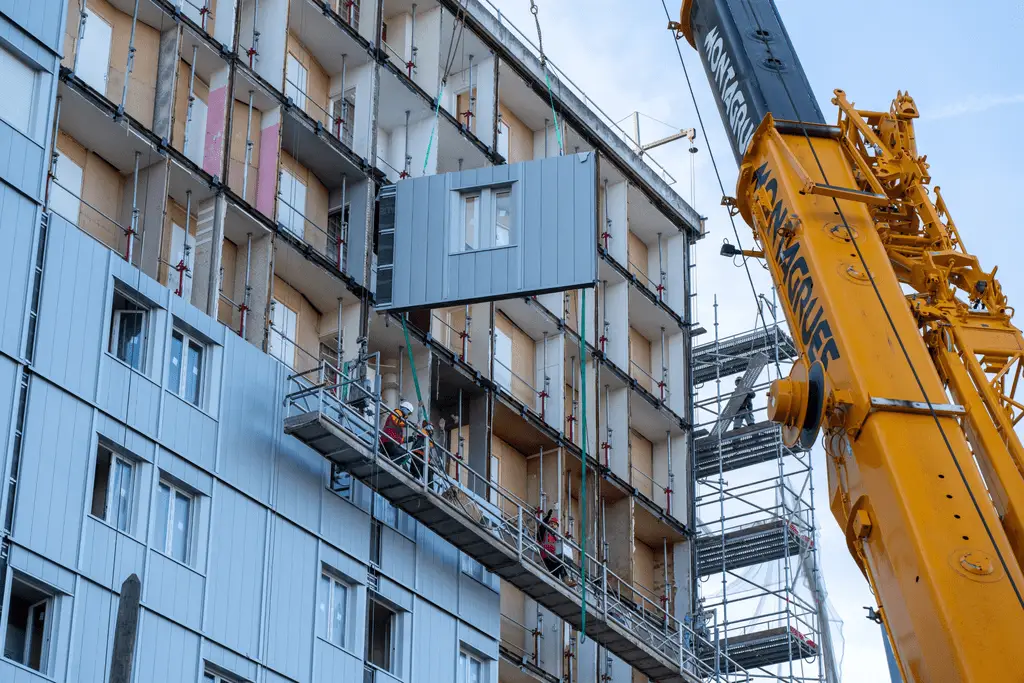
[
  {"x": 392, "y": 437},
  {"x": 550, "y": 550}
]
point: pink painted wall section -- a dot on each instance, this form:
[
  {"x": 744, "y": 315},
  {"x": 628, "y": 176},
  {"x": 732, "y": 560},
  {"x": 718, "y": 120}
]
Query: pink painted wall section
[
  {"x": 266, "y": 185},
  {"x": 213, "y": 152}
]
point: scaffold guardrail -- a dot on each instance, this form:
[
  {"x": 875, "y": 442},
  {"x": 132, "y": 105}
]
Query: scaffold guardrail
[{"x": 341, "y": 419}]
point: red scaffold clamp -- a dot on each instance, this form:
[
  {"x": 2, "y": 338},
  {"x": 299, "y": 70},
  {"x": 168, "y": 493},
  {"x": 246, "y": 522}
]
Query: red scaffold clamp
[
  {"x": 606, "y": 236},
  {"x": 182, "y": 269}
]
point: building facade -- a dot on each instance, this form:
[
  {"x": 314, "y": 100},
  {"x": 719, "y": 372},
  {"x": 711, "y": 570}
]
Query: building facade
[{"x": 190, "y": 207}]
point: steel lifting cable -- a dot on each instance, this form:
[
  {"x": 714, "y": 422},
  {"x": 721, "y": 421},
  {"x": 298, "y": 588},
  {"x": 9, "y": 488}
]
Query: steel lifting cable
[
  {"x": 453, "y": 50},
  {"x": 412, "y": 366},
  {"x": 547, "y": 78},
  {"x": 721, "y": 185},
  {"x": 583, "y": 486}
]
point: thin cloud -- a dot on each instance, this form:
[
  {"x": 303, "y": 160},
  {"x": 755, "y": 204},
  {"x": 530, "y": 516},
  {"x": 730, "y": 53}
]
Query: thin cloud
[{"x": 974, "y": 104}]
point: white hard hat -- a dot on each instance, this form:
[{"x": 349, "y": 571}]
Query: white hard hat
[{"x": 406, "y": 407}]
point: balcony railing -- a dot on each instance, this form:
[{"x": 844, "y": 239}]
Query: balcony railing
[{"x": 330, "y": 246}]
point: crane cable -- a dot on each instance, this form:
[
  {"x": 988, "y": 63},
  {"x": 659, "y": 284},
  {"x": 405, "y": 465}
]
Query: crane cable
[
  {"x": 449, "y": 62},
  {"x": 721, "y": 187},
  {"x": 547, "y": 78},
  {"x": 583, "y": 352}
]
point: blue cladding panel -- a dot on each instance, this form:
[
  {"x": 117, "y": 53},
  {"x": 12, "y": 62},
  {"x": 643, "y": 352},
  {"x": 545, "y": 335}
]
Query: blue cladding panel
[
  {"x": 92, "y": 636},
  {"x": 175, "y": 590},
  {"x": 189, "y": 431},
  {"x": 252, "y": 387},
  {"x": 292, "y": 596},
  {"x": 51, "y": 494},
  {"x": 554, "y": 234},
  {"x": 434, "y": 625},
  {"x": 42, "y": 19},
  {"x": 238, "y": 539},
  {"x": 20, "y": 216},
  {"x": 73, "y": 307},
  {"x": 166, "y": 652}
]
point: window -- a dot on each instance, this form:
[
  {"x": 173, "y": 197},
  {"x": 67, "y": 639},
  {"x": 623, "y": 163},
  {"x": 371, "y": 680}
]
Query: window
[
  {"x": 197, "y": 132},
  {"x": 502, "y": 217},
  {"x": 183, "y": 251},
  {"x": 484, "y": 219},
  {"x": 471, "y": 668},
  {"x": 291, "y": 204},
  {"x": 30, "y": 621},
  {"x": 333, "y": 609},
  {"x": 341, "y": 481},
  {"x": 282, "y": 333},
  {"x": 113, "y": 489},
  {"x": 129, "y": 327},
  {"x": 173, "y": 523},
  {"x": 494, "y": 476},
  {"x": 502, "y": 359},
  {"x": 66, "y": 190},
  {"x": 213, "y": 675},
  {"x": 470, "y": 222},
  {"x": 337, "y": 220},
  {"x": 472, "y": 567},
  {"x": 19, "y": 78},
  {"x": 380, "y": 640},
  {"x": 349, "y": 10},
  {"x": 376, "y": 531},
  {"x": 504, "y": 136},
  {"x": 295, "y": 82},
  {"x": 94, "y": 52},
  {"x": 186, "y": 370},
  {"x": 343, "y": 110}
]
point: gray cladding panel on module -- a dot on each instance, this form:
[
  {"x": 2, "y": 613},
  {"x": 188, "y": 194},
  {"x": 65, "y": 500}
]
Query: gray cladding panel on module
[
  {"x": 42, "y": 19},
  {"x": 553, "y": 237}
]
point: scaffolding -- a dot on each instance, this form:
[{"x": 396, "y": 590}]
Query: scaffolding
[{"x": 761, "y": 597}]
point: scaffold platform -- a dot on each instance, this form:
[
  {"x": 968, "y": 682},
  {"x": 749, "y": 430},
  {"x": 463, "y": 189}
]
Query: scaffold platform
[
  {"x": 757, "y": 443},
  {"x": 749, "y": 545},
  {"x": 731, "y": 355}
]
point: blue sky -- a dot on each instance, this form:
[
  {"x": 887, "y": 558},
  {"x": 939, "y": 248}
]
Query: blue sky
[{"x": 961, "y": 64}]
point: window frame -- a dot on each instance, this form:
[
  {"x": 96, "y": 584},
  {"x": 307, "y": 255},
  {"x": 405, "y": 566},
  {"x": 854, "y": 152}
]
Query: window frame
[
  {"x": 334, "y": 582},
  {"x": 485, "y": 216},
  {"x": 503, "y": 145},
  {"x": 295, "y": 88},
  {"x": 116, "y": 316},
  {"x": 187, "y": 342},
  {"x": 287, "y": 205},
  {"x": 116, "y": 456},
  {"x": 393, "y": 655},
  {"x": 168, "y": 546},
  {"x": 502, "y": 365},
  {"x": 31, "y": 116},
  {"x": 50, "y": 623},
  {"x": 465, "y": 658},
  {"x": 288, "y": 343}
]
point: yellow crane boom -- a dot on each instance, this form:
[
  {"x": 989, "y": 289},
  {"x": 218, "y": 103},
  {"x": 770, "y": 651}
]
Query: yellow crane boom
[{"x": 910, "y": 363}]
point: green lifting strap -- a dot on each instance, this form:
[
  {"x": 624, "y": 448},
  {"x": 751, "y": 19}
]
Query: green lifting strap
[
  {"x": 583, "y": 487},
  {"x": 412, "y": 364}
]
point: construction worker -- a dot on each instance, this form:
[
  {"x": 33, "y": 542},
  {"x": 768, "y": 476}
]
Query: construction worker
[
  {"x": 550, "y": 549},
  {"x": 392, "y": 437},
  {"x": 745, "y": 414},
  {"x": 423, "y": 452}
]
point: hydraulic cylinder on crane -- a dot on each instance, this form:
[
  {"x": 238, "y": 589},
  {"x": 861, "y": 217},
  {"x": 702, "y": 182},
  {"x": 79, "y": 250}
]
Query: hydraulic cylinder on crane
[{"x": 909, "y": 361}]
